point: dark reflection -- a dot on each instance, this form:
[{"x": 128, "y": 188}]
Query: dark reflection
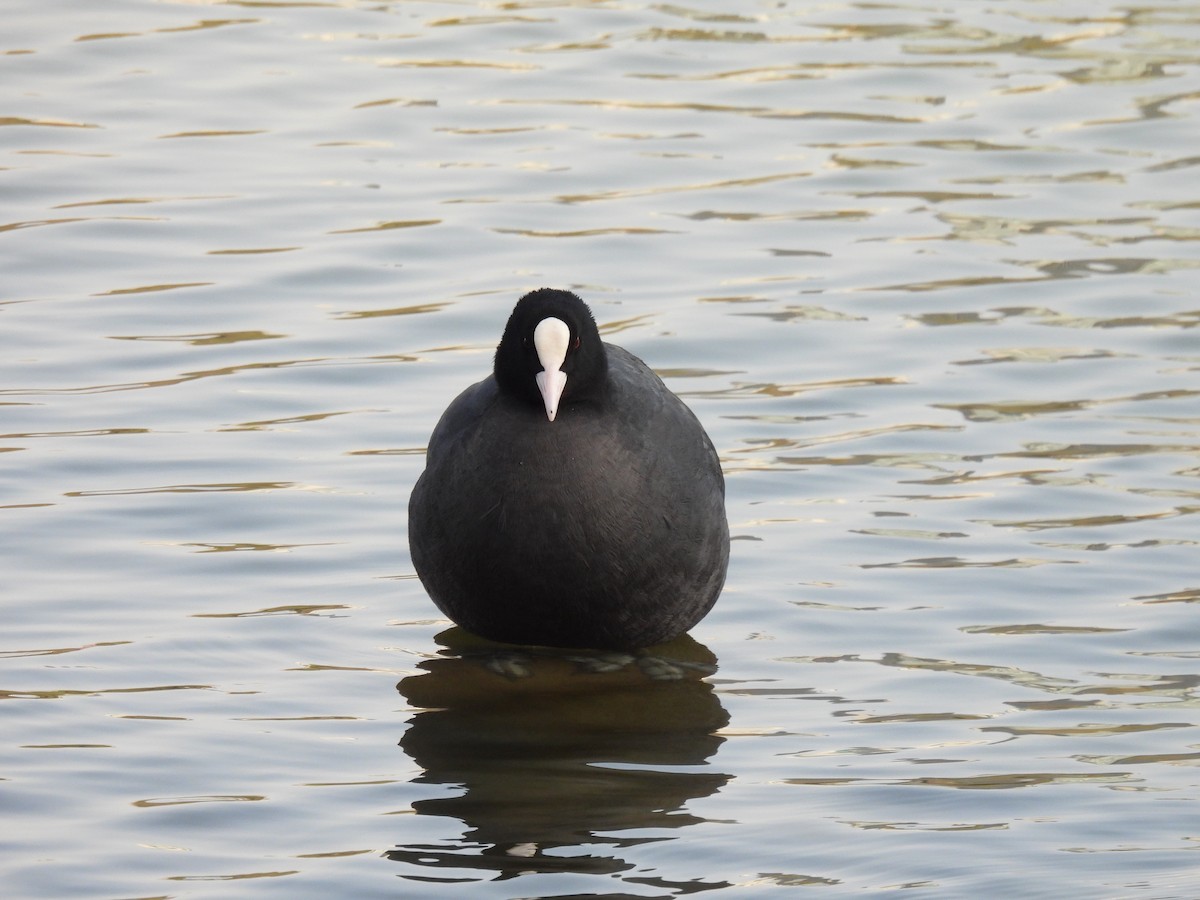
[{"x": 559, "y": 749}]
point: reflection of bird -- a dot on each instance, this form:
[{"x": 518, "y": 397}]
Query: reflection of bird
[
  {"x": 569, "y": 499},
  {"x": 570, "y": 750}
]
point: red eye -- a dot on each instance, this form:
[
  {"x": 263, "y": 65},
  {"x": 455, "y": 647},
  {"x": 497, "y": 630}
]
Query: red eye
[{"x": 575, "y": 346}]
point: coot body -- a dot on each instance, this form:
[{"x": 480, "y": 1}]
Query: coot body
[{"x": 569, "y": 499}]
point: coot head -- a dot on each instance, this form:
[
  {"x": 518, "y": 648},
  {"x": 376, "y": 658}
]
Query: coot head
[{"x": 551, "y": 352}]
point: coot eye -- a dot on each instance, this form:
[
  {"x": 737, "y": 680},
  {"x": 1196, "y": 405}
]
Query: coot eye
[{"x": 575, "y": 346}]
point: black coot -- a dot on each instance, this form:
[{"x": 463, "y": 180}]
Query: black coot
[{"x": 569, "y": 499}]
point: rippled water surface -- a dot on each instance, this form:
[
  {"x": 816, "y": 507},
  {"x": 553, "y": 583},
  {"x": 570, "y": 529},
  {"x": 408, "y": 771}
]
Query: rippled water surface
[{"x": 927, "y": 273}]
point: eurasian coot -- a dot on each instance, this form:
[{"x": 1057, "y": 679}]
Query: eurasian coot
[{"x": 569, "y": 499}]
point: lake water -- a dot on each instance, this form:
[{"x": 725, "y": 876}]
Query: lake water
[{"x": 928, "y": 275}]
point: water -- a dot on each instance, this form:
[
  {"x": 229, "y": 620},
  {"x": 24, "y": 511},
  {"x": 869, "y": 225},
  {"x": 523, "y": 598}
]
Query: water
[{"x": 927, "y": 275}]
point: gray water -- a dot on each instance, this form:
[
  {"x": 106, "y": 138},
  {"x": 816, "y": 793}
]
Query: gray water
[{"x": 926, "y": 273}]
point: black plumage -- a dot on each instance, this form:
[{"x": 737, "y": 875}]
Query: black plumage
[{"x": 596, "y": 521}]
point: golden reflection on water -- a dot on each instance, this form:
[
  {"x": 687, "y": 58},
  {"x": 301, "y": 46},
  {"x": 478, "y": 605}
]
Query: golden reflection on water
[
  {"x": 236, "y": 487},
  {"x": 204, "y": 340}
]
